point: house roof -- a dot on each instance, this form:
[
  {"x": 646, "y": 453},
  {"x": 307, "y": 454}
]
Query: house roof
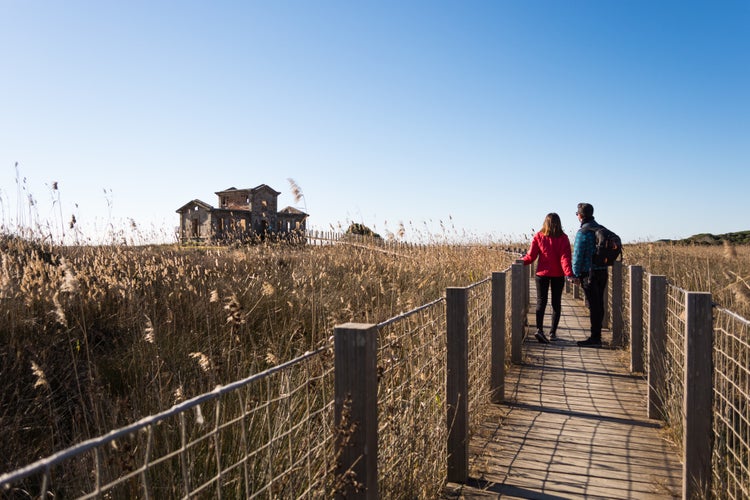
[
  {"x": 292, "y": 211},
  {"x": 232, "y": 190},
  {"x": 193, "y": 203},
  {"x": 261, "y": 187},
  {"x": 265, "y": 187}
]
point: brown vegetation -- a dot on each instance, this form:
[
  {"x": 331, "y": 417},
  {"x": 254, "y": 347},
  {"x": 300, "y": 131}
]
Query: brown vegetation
[
  {"x": 95, "y": 337},
  {"x": 723, "y": 270}
]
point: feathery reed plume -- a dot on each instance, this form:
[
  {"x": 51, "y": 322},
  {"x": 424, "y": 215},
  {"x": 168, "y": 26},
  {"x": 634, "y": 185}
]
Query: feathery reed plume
[
  {"x": 729, "y": 251},
  {"x": 41, "y": 378},
  {"x": 267, "y": 289},
  {"x": 202, "y": 360},
  {"x": 741, "y": 293},
  {"x": 271, "y": 358},
  {"x": 179, "y": 395},
  {"x": 214, "y": 296},
  {"x": 70, "y": 283},
  {"x": 235, "y": 310},
  {"x": 59, "y": 312},
  {"x": 296, "y": 191},
  {"x": 148, "y": 332},
  {"x": 6, "y": 285}
]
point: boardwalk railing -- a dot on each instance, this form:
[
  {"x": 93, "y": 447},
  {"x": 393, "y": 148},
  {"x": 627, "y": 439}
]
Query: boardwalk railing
[
  {"x": 321, "y": 238},
  {"x": 312, "y": 427},
  {"x": 414, "y": 386},
  {"x": 267, "y": 436},
  {"x": 697, "y": 360}
]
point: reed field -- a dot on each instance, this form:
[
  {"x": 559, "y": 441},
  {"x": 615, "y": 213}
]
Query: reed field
[
  {"x": 722, "y": 270},
  {"x": 96, "y": 337}
]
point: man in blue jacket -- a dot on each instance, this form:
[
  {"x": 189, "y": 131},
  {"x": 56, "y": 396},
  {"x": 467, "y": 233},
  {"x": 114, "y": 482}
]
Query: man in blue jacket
[{"x": 592, "y": 278}]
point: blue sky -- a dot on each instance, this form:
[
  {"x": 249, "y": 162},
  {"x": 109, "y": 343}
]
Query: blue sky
[{"x": 478, "y": 117}]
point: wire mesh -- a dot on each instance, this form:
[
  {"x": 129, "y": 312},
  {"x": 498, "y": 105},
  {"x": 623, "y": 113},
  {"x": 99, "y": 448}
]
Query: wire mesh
[
  {"x": 412, "y": 432},
  {"x": 675, "y": 360},
  {"x": 731, "y": 395},
  {"x": 266, "y": 436},
  {"x": 646, "y": 317},
  {"x": 480, "y": 349},
  {"x": 627, "y": 335}
]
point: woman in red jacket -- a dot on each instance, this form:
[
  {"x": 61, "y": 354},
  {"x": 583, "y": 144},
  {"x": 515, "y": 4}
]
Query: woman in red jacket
[{"x": 552, "y": 246}]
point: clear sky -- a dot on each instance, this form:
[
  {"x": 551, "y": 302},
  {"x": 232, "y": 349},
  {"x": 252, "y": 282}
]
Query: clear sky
[{"x": 480, "y": 115}]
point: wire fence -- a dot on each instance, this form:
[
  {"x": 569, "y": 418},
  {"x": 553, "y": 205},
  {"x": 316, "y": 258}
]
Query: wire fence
[
  {"x": 272, "y": 435},
  {"x": 267, "y": 436},
  {"x": 731, "y": 389},
  {"x": 731, "y": 422},
  {"x": 480, "y": 349},
  {"x": 411, "y": 402},
  {"x": 675, "y": 361}
]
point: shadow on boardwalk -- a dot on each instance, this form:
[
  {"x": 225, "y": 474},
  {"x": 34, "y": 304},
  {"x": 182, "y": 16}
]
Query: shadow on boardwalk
[{"x": 574, "y": 425}]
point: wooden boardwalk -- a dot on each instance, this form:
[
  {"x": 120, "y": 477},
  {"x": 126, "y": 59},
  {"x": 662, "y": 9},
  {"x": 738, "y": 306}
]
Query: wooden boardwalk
[{"x": 574, "y": 425}]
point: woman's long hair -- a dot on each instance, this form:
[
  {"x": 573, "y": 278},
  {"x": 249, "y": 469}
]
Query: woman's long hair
[{"x": 552, "y": 226}]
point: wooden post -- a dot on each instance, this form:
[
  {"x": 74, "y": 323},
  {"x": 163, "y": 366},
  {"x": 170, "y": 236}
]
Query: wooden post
[
  {"x": 697, "y": 432},
  {"x": 516, "y": 312},
  {"x": 636, "y": 319},
  {"x": 657, "y": 346},
  {"x": 497, "y": 370},
  {"x": 457, "y": 384},
  {"x": 618, "y": 335},
  {"x": 356, "y": 407}
]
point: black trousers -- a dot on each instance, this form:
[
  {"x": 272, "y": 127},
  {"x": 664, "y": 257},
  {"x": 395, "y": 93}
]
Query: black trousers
[
  {"x": 594, "y": 286},
  {"x": 543, "y": 284}
]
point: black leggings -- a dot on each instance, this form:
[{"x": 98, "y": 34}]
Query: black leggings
[{"x": 542, "y": 291}]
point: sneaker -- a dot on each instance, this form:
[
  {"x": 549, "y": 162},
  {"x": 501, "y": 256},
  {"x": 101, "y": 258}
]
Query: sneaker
[
  {"x": 552, "y": 336},
  {"x": 540, "y": 337},
  {"x": 589, "y": 342}
]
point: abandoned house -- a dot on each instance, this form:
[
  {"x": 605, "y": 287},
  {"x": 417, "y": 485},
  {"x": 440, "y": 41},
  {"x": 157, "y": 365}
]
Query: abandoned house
[{"x": 243, "y": 214}]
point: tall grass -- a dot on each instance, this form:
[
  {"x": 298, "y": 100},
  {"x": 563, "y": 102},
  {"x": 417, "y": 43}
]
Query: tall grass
[
  {"x": 95, "y": 337},
  {"x": 722, "y": 270}
]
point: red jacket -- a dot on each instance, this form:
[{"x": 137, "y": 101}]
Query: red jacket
[{"x": 553, "y": 253}]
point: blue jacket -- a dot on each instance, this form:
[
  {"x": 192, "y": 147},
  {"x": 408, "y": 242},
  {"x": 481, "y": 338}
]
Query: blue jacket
[{"x": 584, "y": 247}]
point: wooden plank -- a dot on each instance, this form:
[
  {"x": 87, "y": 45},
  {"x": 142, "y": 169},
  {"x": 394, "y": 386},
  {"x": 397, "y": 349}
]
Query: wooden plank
[{"x": 574, "y": 424}]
